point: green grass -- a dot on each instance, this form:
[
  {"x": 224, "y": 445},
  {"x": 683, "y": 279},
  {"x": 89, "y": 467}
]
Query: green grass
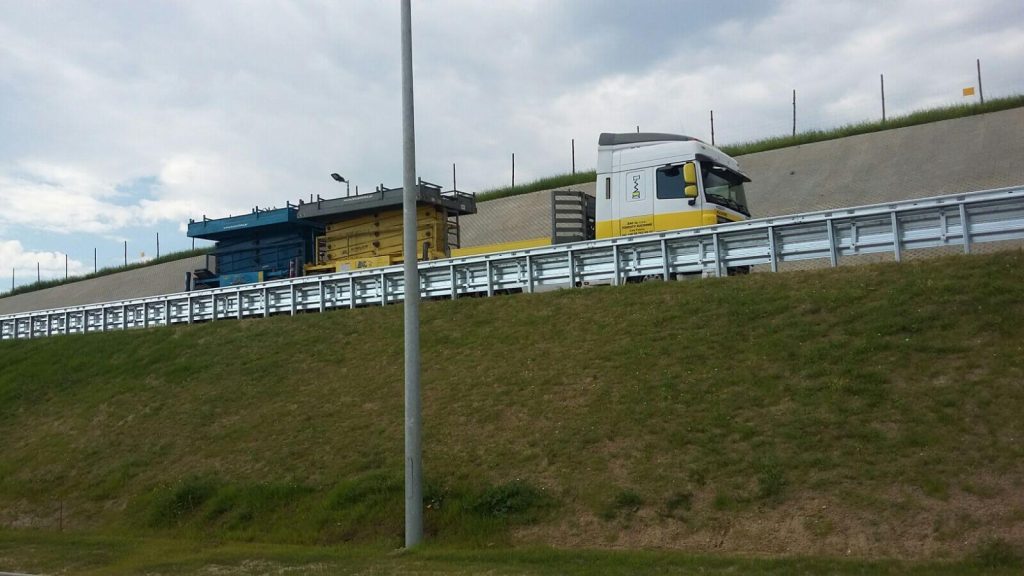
[
  {"x": 776, "y": 142},
  {"x": 914, "y": 118},
  {"x": 97, "y": 556},
  {"x": 869, "y": 410},
  {"x": 42, "y": 285},
  {"x": 548, "y": 183}
]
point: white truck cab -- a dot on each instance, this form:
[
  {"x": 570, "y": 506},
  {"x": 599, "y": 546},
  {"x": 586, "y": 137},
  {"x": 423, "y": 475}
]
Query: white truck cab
[{"x": 648, "y": 182}]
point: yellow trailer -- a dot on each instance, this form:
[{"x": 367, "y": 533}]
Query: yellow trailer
[{"x": 365, "y": 231}]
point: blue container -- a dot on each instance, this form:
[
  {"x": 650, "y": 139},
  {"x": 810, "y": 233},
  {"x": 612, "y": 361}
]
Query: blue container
[{"x": 265, "y": 245}]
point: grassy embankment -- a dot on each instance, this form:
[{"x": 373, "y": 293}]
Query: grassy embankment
[
  {"x": 809, "y": 137},
  {"x": 871, "y": 411}
]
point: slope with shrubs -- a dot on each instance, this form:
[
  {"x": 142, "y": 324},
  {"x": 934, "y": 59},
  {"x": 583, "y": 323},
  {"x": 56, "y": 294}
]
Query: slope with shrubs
[{"x": 871, "y": 411}]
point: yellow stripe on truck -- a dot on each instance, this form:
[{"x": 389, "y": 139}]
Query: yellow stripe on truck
[{"x": 655, "y": 223}]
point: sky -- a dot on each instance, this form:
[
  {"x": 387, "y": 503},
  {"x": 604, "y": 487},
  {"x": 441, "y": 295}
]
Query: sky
[{"x": 121, "y": 120}]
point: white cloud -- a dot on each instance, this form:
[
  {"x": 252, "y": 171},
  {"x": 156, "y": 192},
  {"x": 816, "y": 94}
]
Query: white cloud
[
  {"x": 227, "y": 105},
  {"x": 13, "y": 256},
  {"x": 59, "y": 199}
]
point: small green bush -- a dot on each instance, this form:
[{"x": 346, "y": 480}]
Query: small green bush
[
  {"x": 173, "y": 505},
  {"x": 515, "y": 498},
  {"x": 677, "y": 503},
  {"x": 240, "y": 506},
  {"x": 770, "y": 480},
  {"x": 625, "y": 501},
  {"x": 371, "y": 488},
  {"x": 998, "y": 553},
  {"x": 724, "y": 501}
]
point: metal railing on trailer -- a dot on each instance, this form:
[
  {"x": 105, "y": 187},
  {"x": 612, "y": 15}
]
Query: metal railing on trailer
[{"x": 955, "y": 220}]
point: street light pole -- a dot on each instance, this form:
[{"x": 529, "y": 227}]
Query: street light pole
[
  {"x": 413, "y": 453},
  {"x": 341, "y": 178}
]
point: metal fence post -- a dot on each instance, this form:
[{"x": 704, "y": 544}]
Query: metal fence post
[
  {"x": 895, "y": 237},
  {"x": 832, "y": 256},
  {"x": 965, "y": 228}
]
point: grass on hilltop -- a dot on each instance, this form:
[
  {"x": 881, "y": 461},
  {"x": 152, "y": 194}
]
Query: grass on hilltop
[
  {"x": 42, "y": 285},
  {"x": 880, "y": 405},
  {"x": 776, "y": 142},
  {"x": 548, "y": 183},
  {"x": 914, "y": 118}
]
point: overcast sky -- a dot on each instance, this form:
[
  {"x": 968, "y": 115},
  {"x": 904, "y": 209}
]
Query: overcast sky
[{"x": 119, "y": 120}]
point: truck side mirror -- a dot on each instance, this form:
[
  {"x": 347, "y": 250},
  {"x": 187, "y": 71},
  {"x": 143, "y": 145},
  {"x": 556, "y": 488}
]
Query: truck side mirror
[
  {"x": 690, "y": 174},
  {"x": 690, "y": 180}
]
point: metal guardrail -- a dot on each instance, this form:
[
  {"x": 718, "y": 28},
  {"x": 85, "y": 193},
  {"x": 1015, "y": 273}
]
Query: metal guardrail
[{"x": 955, "y": 220}]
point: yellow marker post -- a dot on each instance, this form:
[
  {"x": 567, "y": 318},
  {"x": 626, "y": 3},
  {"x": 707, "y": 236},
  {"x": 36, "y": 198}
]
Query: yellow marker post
[{"x": 969, "y": 91}]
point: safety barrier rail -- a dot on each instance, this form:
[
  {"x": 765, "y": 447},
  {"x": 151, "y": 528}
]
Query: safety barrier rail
[{"x": 955, "y": 220}]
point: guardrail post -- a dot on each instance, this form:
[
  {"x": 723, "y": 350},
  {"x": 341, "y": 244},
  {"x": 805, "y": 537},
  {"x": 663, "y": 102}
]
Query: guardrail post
[
  {"x": 664, "y": 260},
  {"x": 615, "y": 264},
  {"x": 965, "y": 228},
  {"x": 213, "y": 307},
  {"x": 292, "y": 292},
  {"x": 240, "y": 297},
  {"x": 189, "y": 309},
  {"x": 896, "y": 248},
  {"x": 124, "y": 317},
  {"x": 266, "y": 303},
  {"x": 571, "y": 261},
  {"x": 718, "y": 255},
  {"x": 771, "y": 249},
  {"x": 490, "y": 286},
  {"x": 351, "y": 292},
  {"x": 383, "y": 289},
  {"x": 833, "y": 257},
  {"x": 529, "y": 274},
  {"x": 167, "y": 312},
  {"x": 320, "y": 289},
  {"x": 451, "y": 278}
]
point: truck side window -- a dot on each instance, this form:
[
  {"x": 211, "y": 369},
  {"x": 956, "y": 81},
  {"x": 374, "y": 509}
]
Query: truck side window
[{"x": 670, "y": 183}]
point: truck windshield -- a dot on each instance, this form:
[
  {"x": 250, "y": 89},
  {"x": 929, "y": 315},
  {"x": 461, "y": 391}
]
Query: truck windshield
[{"x": 724, "y": 187}]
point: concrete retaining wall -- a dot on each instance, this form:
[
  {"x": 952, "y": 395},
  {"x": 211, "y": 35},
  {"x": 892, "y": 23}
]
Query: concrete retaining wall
[
  {"x": 166, "y": 278},
  {"x": 960, "y": 155}
]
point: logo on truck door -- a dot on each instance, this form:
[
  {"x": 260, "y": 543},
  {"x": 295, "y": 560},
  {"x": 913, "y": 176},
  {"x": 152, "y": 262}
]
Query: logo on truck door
[{"x": 635, "y": 186}]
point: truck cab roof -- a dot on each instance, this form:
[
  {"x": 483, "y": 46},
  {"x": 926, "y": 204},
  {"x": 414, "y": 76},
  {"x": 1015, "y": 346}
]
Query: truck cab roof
[{"x": 649, "y": 148}]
